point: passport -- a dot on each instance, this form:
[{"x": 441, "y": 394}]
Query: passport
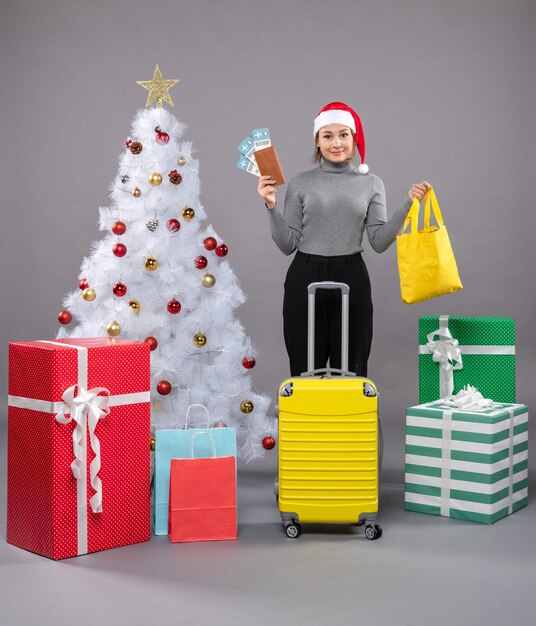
[{"x": 269, "y": 165}]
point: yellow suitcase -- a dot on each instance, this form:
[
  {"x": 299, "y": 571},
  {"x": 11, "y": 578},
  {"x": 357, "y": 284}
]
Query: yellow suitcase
[{"x": 329, "y": 441}]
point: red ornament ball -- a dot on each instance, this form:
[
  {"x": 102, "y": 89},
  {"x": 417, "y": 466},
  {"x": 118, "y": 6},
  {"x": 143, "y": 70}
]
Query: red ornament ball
[
  {"x": 119, "y": 228},
  {"x": 162, "y": 138},
  {"x": 64, "y": 317},
  {"x": 153, "y": 343},
  {"x": 83, "y": 284},
  {"x": 163, "y": 387},
  {"x": 210, "y": 243},
  {"x": 248, "y": 362},
  {"x": 268, "y": 443},
  {"x": 200, "y": 262},
  {"x": 119, "y": 290},
  {"x": 174, "y": 306},
  {"x": 222, "y": 250},
  {"x": 173, "y": 225},
  {"x": 119, "y": 249}
]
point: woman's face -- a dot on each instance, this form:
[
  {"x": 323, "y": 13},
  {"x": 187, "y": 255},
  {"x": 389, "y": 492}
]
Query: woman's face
[{"x": 336, "y": 143}]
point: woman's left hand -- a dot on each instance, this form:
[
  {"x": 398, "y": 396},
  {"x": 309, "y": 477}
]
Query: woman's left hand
[{"x": 419, "y": 190}]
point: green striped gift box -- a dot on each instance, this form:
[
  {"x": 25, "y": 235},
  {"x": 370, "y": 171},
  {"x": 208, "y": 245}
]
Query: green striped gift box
[
  {"x": 470, "y": 465},
  {"x": 487, "y": 347}
]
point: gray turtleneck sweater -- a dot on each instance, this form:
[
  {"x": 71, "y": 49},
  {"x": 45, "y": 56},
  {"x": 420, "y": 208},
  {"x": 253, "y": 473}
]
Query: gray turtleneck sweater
[{"x": 327, "y": 209}]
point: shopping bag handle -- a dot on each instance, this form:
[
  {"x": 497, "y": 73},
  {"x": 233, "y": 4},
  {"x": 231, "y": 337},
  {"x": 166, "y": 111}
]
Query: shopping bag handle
[
  {"x": 431, "y": 199},
  {"x": 202, "y": 406},
  {"x": 192, "y": 443},
  {"x": 430, "y": 204},
  {"x": 412, "y": 217}
]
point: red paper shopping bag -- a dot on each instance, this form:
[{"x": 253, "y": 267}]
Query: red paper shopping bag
[{"x": 202, "y": 497}]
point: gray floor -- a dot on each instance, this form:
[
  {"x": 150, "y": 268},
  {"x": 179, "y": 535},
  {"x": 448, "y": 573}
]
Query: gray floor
[{"x": 424, "y": 570}]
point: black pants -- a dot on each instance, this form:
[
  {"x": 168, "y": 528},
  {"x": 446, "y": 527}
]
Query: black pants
[{"x": 310, "y": 268}]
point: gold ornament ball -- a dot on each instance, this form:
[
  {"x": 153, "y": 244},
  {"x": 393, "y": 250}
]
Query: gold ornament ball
[
  {"x": 151, "y": 264},
  {"x": 153, "y": 443},
  {"x": 188, "y": 213},
  {"x": 113, "y": 329},
  {"x": 155, "y": 179},
  {"x": 135, "y": 306},
  {"x": 181, "y": 162},
  {"x": 89, "y": 294},
  {"x": 208, "y": 280},
  {"x": 137, "y": 192},
  {"x": 246, "y": 406},
  {"x": 200, "y": 340}
]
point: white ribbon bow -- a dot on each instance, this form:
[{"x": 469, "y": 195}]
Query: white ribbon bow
[
  {"x": 445, "y": 351},
  {"x": 468, "y": 399},
  {"x": 79, "y": 402}
]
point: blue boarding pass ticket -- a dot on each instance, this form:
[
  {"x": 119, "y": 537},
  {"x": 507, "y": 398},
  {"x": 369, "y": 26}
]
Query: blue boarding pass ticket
[
  {"x": 261, "y": 138},
  {"x": 246, "y": 165},
  {"x": 247, "y": 148}
]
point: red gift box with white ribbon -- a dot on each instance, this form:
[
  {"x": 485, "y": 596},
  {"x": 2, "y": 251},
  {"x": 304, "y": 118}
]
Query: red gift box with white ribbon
[{"x": 78, "y": 476}]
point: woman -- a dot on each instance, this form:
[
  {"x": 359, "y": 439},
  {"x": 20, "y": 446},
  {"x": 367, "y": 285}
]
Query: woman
[{"x": 326, "y": 212}]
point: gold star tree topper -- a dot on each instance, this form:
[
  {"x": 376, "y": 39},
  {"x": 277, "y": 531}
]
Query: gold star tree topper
[{"x": 158, "y": 89}]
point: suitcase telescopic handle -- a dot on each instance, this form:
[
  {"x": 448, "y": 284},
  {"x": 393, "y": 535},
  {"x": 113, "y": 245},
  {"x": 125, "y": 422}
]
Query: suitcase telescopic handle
[
  {"x": 311, "y": 291},
  {"x": 327, "y": 370}
]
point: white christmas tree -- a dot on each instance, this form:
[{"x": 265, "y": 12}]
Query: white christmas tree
[{"x": 160, "y": 275}]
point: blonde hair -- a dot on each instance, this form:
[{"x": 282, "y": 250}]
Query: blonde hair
[{"x": 317, "y": 155}]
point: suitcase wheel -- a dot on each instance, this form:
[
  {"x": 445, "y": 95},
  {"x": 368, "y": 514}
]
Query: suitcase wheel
[
  {"x": 293, "y": 530},
  {"x": 373, "y": 531}
]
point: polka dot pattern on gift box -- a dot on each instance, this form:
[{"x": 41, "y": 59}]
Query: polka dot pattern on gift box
[
  {"x": 125, "y": 475},
  {"x": 493, "y": 375},
  {"x": 29, "y": 481},
  {"x": 31, "y": 364},
  {"x": 472, "y": 330}
]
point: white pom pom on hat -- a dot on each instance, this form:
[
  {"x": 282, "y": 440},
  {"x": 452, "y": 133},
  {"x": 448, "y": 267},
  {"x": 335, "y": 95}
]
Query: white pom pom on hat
[{"x": 340, "y": 113}]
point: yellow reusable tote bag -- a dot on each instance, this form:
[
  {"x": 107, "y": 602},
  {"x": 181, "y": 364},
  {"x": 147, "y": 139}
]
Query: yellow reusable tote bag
[{"x": 426, "y": 263}]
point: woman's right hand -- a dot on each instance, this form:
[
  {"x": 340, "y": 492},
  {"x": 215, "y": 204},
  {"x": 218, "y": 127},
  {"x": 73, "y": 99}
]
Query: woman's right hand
[
  {"x": 266, "y": 191},
  {"x": 419, "y": 190}
]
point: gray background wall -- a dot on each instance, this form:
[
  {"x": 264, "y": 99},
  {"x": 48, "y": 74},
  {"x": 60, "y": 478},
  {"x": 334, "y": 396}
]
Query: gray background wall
[{"x": 445, "y": 91}]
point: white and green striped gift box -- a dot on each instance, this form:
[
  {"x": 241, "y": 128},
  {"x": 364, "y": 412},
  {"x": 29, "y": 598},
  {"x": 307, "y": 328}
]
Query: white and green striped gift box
[{"x": 470, "y": 465}]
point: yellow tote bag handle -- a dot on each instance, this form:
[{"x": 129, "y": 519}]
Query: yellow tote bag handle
[
  {"x": 412, "y": 216},
  {"x": 432, "y": 200},
  {"x": 413, "y": 213}
]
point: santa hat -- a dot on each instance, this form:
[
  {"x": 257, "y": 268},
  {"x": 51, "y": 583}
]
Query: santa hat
[{"x": 340, "y": 113}]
